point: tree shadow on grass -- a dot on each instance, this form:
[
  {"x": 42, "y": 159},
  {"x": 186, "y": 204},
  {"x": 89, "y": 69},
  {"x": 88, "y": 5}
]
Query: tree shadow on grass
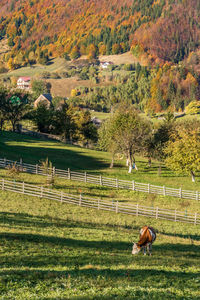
[
  {"x": 65, "y": 157},
  {"x": 65, "y": 242},
  {"x": 194, "y": 237},
  {"x": 16, "y": 220},
  {"x": 106, "y": 273},
  {"x": 102, "y": 245}
]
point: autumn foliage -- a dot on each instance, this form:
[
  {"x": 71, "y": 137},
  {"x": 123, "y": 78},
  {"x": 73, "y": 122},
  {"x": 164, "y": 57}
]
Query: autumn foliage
[{"x": 156, "y": 30}]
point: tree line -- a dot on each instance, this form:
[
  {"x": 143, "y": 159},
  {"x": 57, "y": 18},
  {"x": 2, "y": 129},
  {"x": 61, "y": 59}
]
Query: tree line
[{"x": 70, "y": 123}]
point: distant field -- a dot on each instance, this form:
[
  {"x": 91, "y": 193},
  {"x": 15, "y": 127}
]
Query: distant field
[
  {"x": 125, "y": 58},
  {"x": 57, "y": 64},
  {"x": 62, "y": 87},
  {"x": 100, "y": 115}
]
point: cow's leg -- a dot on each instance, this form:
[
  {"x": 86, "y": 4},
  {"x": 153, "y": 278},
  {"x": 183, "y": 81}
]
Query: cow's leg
[
  {"x": 145, "y": 250},
  {"x": 150, "y": 249}
]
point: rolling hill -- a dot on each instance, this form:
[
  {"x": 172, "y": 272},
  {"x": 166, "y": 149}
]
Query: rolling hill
[{"x": 164, "y": 30}]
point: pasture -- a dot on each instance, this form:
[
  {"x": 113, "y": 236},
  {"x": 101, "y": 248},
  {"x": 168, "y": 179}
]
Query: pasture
[
  {"x": 31, "y": 150},
  {"x": 52, "y": 250}
]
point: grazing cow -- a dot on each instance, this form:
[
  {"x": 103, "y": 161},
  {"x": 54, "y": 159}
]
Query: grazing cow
[{"x": 147, "y": 237}]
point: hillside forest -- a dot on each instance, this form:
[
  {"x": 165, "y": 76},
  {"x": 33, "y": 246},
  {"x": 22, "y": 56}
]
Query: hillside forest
[{"x": 163, "y": 35}]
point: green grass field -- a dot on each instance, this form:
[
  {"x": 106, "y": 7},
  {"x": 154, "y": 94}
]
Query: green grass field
[
  {"x": 15, "y": 146},
  {"x": 55, "y": 65},
  {"x": 52, "y": 250}
]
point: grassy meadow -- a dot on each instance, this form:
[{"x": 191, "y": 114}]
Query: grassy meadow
[
  {"x": 52, "y": 250},
  {"x": 31, "y": 150}
]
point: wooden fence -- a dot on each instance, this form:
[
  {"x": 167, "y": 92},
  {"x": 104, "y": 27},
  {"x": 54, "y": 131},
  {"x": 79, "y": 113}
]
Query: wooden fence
[
  {"x": 103, "y": 181},
  {"x": 117, "y": 207}
]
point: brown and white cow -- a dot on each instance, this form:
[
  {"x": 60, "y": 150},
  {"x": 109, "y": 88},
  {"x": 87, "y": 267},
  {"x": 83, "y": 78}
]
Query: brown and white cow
[{"x": 147, "y": 237}]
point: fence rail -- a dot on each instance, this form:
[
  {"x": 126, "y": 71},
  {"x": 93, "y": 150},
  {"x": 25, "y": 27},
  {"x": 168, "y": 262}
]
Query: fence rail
[
  {"x": 104, "y": 181},
  {"x": 117, "y": 207}
]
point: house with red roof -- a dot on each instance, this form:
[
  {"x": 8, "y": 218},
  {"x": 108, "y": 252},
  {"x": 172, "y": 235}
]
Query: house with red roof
[{"x": 24, "y": 83}]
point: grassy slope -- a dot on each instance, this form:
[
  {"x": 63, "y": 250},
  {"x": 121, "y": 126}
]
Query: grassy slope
[
  {"x": 51, "y": 250},
  {"x": 57, "y": 64},
  {"x": 15, "y": 146}
]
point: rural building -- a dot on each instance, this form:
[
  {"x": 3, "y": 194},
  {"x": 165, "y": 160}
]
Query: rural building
[
  {"x": 24, "y": 83},
  {"x": 44, "y": 99},
  {"x": 96, "y": 121},
  {"x": 105, "y": 64}
]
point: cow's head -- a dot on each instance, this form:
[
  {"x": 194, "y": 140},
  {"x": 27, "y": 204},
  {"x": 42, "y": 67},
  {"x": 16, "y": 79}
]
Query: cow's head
[{"x": 136, "y": 249}]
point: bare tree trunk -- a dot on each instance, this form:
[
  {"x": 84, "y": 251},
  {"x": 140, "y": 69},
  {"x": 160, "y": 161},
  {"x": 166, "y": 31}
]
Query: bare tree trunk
[
  {"x": 193, "y": 176},
  {"x": 13, "y": 125},
  {"x": 112, "y": 161},
  {"x": 159, "y": 170},
  {"x": 127, "y": 162},
  {"x": 130, "y": 163},
  {"x": 149, "y": 161}
]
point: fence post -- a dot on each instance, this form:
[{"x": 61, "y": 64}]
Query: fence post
[
  {"x": 133, "y": 185},
  {"x": 69, "y": 174},
  {"x": 175, "y": 215},
  {"x": 98, "y": 204},
  {"x": 85, "y": 176},
  {"x": 137, "y": 208},
  {"x": 195, "y": 218},
  {"x": 164, "y": 190},
  {"x": 21, "y": 162},
  {"x": 41, "y": 192},
  {"x": 23, "y": 187},
  {"x": 4, "y": 162},
  {"x": 157, "y": 212},
  {"x": 54, "y": 171},
  {"x": 36, "y": 169},
  {"x": 80, "y": 200},
  {"x": 180, "y": 193},
  {"x": 117, "y": 207},
  {"x": 148, "y": 187},
  {"x": 100, "y": 180},
  {"x": 3, "y": 184},
  {"x": 117, "y": 183},
  {"x": 61, "y": 196},
  {"x": 197, "y": 195}
]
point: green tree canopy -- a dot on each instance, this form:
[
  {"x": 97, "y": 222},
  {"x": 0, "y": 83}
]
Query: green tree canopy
[
  {"x": 14, "y": 105},
  {"x": 183, "y": 151},
  {"x": 128, "y": 133}
]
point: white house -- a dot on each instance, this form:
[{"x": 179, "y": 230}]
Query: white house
[
  {"x": 24, "y": 83},
  {"x": 105, "y": 64}
]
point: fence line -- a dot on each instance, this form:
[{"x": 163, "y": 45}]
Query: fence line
[
  {"x": 103, "y": 181},
  {"x": 117, "y": 207}
]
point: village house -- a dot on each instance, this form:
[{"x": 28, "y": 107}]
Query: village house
[
  {"x": 24, "y": 83},
  {"x": 105, "y": 64},
  {"x": 44, "y": 99}
]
